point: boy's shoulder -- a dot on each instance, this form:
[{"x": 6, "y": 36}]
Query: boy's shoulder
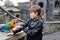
[{"x": 28, "y": 19}]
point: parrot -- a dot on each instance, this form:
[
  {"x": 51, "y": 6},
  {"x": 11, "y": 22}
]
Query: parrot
[{"x": 8, "y": 26}]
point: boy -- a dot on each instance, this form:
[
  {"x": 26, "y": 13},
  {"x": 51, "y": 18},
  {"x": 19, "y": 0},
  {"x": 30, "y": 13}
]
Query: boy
[{"x": 34, "y": 25}]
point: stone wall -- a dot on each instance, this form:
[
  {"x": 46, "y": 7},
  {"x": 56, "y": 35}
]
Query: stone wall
[{"x": 51, "y": 28}]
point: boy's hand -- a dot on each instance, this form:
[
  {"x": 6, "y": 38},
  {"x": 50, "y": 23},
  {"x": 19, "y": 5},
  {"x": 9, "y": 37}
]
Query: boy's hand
[
  {"x": 10, "y": 34},
  {"x": 18, "y": 27}
]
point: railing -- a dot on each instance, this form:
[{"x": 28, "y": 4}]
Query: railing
[{"x": 52, "y": 21}]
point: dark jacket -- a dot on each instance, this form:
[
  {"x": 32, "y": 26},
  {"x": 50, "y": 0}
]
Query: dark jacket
[{"x": 34, "y": 31}]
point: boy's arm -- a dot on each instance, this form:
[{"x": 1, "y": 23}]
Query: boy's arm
[
  {"x": 37, "y": 27},
  {"x": 22, "y": 27}
]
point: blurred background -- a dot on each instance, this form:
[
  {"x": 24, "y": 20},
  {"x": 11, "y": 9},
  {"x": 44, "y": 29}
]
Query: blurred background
[{"x": 13, "y": 9}]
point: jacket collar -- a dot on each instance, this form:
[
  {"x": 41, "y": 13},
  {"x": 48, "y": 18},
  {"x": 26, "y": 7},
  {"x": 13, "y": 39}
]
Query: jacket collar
[{"x": 36, "y": 19}]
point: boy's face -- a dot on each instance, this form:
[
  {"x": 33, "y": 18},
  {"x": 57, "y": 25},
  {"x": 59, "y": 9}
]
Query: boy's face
[{"x": 33, "y": 14}]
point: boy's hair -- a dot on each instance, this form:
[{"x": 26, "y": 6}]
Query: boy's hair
[{"x": 35, "y": 8}]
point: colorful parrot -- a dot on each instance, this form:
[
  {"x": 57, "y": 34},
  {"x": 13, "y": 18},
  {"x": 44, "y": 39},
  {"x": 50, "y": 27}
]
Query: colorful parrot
[{"x": 9, "y": 26}]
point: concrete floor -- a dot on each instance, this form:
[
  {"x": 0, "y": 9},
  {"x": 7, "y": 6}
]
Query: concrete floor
[{"x": 54, "y": 36}]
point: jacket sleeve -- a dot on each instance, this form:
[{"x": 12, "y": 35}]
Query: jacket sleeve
[
  {"x": 24, "y": 25},
  {"x": 37, "y": 27}
]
